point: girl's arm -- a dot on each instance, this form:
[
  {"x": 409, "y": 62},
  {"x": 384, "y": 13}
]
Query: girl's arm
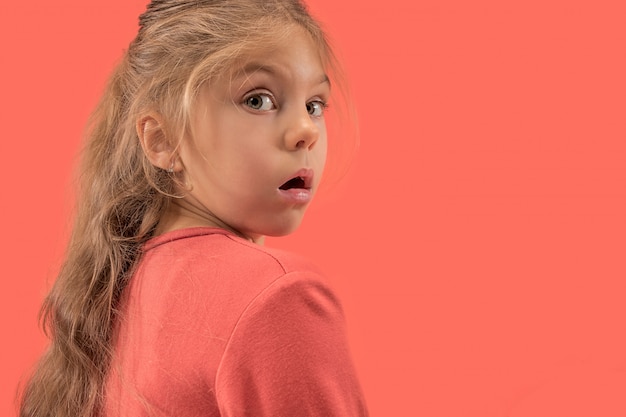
[{"x": 288, "y": 355}]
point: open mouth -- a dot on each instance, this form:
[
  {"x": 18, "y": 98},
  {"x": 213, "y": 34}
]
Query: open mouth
[{"x": 296, "y": 182}]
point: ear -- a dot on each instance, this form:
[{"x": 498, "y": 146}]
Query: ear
[{"x": 157, "y": 147}]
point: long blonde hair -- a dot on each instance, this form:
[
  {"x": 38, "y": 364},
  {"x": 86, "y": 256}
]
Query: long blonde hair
[{"x": 180, "y": 45}]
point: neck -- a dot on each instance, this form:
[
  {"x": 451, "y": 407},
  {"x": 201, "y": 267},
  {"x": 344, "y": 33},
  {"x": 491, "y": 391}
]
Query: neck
[{"x": 183, "y": 214}]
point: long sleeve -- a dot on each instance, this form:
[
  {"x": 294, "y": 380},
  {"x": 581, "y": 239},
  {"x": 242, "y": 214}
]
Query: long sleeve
[{"x": 288, "y": 355}]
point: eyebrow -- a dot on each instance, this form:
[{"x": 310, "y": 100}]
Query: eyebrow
[{"x": 254, "y": 67}]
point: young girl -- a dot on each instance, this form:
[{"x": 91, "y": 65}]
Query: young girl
[{"x": 210, "y": 136}]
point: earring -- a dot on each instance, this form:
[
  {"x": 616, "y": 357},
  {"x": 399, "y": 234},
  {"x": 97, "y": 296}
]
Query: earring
[{"x": 171, "y": 168}]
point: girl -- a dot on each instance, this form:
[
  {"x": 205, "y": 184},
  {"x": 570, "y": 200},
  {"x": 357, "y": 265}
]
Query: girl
[{"x": 210, "y": 135}]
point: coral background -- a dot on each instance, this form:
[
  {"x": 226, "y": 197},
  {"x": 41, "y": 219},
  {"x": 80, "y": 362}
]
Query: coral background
[{"x": 478, "y": 241}]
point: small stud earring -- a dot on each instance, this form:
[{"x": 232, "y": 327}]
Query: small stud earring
[{"x": 171, "y": 168}]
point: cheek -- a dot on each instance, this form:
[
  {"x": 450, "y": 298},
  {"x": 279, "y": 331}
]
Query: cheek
[
  {"x": 246, "y": 169},
  {"x": 322, "y": 146}
]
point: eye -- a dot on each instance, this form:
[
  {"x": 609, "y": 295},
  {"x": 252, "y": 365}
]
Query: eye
[
  {"x": 316, "y": 108},
  {"x": 260, "y": 102}
]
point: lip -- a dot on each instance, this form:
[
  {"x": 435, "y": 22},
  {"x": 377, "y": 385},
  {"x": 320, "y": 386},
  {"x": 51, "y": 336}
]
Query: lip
[
  {"x": 307, "y": 175},
  {"x": 299, "y": 195}
]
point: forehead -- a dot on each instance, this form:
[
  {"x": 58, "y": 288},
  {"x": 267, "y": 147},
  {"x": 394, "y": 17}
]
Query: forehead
[
  {"x": 316, "y": 73},
  {"x": 292, "y": 53}
]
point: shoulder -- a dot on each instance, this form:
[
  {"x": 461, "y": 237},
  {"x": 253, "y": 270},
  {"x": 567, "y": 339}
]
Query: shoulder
[{"x": 216, "y": 265}]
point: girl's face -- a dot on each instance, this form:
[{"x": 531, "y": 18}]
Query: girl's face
[{"x": 259, "y": 142}]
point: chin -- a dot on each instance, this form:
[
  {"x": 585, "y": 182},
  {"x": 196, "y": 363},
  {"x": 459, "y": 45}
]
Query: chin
[
  {"x": 282, "y": 231},
  {"x": 273, "y": 225},
  {"x": 284, "y": 228}
]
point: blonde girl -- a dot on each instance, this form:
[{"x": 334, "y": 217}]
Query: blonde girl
[{"x": 210, "y": 136}]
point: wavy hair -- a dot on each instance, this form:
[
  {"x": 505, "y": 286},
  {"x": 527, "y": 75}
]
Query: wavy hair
[{"x": 180, "y": 45}]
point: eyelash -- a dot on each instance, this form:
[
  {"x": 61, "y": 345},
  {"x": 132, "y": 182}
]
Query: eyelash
[{"x": 268, "y": 98}]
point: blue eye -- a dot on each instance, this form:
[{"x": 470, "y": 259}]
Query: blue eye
[
  {"x": 316, "y": 108},
  {"x": 260, "y": 101}
]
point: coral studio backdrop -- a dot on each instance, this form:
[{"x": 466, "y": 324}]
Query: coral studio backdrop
[{"x": 477, "y": 242}]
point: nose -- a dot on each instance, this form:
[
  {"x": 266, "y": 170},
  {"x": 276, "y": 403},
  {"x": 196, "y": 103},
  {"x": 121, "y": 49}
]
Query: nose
[{"x": 302, "y": 132}]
